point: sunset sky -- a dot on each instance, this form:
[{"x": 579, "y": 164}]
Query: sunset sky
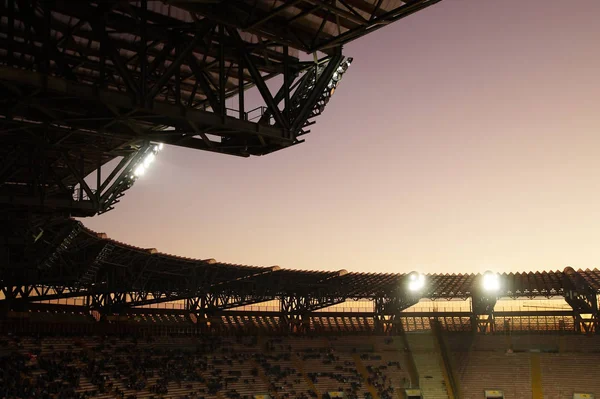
[{"x": 463, "y": 138}]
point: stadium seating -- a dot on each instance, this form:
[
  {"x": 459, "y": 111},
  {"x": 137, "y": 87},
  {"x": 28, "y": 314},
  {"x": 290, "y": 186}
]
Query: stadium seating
[
  {"x": 192, "y": 367},
  {"x": 504, "y": 362},
  {"x": 568, "y": 373},
  {"x": 510, "y": 373},
  {"x": 174, "y": 367},
  {"x": 428, "y": 363}
]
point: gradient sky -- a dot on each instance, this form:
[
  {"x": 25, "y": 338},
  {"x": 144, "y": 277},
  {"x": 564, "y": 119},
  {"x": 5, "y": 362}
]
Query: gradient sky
[{"x": 463, "y": 138}]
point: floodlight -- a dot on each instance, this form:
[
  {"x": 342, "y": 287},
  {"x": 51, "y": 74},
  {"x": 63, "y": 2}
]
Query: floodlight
[
  {"x": 344, "y": 65},
  {"x": 139, "y": 171},
  {"x": 148, "y": 160},
  {"x": 491, "y": 282},
  {"x": 339, "y": 72},
  {"x": 416, "y": 282}
]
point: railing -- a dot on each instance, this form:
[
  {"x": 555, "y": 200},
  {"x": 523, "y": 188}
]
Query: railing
[
  {"x": 82, "y": 195},
  {"x": 253, "y": 115}
]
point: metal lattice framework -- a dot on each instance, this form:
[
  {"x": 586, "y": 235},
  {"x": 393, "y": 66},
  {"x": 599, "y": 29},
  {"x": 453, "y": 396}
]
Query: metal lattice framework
[
  {"x": 86, "y": 82},
  {"x": 67, "y": 261}
]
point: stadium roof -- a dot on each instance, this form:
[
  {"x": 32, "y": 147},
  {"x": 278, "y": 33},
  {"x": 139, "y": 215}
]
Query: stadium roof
[
  {"x": 100, "y": 80},
  {"x": 306, "y": 25},
  {"x": 75, "y": 250}
]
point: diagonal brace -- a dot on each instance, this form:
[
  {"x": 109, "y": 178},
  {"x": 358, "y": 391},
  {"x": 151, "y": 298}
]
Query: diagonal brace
[{"x": 259, "y": 81}]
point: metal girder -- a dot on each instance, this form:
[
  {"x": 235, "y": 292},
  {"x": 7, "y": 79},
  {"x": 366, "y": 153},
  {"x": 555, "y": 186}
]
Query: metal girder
[
  {"x": 583, "y": 300},
  {"x": 20, "y": 296},
  {"x": 166, "y": 114},
  {"x": 388, "y": 309},
  {"x": 392, "y": 300},
  {"x": 482, "y": 317},
  {"x": 351, "y": 18},
  {"x": 96, "y": 80},
  {"x": 260, "y": 82},
  {"x": 295, "y": 309},
  {"x": 89, "y": 274},
  {"x": 205, "y": 294},
  {"x": 482, "y": 307},
  {"x": 63, "y": 188},
  {"x": 212, "y": 302},
  {"x": 63, "y": 245},
  {"x": 375, "y": 23}
]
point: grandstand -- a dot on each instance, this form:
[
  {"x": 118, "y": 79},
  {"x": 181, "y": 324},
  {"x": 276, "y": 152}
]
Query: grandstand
[
  {"x": 110, "y": 320},
  {"x": 247, "y": 366}
]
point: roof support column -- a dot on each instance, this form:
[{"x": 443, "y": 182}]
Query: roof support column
[
  {"x": 484, "y": 296},
  {"x": 482, "y": 312},
  {"x": 107, "y": 303},
  {"x": 294, "y": 314},
  {"x": 388, "y": 312},
  {"x": 9, "y": 294},
  {"x": 198, "y": 308},
  {"x": 583, "y": 300}
]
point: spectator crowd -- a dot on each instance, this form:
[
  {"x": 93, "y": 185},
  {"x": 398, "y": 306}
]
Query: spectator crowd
[{"x": 183, "y": 368}]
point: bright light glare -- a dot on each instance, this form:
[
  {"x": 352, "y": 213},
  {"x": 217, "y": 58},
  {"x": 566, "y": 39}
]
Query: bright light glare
[
  {"x": 149, "y": 158},
  {"x": 491, "y": 282},
  {"x": 416, "y": 282},
  {"x": 139, "y": 171},
  {"x": 337, "y": 75},
  {"x": 160, "y": 146}
]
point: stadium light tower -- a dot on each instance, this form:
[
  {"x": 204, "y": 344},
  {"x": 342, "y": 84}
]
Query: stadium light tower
[{"x": 491, "y": 282}]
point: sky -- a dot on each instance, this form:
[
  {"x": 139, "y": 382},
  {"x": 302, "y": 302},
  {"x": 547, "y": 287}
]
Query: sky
[{"x": 463, "y": 138}]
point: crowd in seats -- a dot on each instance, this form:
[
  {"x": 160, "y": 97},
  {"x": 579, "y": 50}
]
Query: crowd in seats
[
  {"x": 381, "y": 357},
  {"x": 181, "y": 367},
  {"x": 95, "y": 367},
  {"x": 384, "y": 376},
  {"x": 60, "y": 379}
]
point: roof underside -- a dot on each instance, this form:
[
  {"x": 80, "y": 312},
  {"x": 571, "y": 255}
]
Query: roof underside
[{"x": 306, "y": 25}]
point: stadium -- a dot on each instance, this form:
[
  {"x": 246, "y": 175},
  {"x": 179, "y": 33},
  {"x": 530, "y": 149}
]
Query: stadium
[{"x": 92, "y": 92}]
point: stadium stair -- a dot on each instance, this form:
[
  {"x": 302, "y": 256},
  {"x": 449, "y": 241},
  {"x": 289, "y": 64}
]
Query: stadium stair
[
  {"x": 508, "y": 338},
  {"x": 561, "y": 344},
  {"x": 449, "y": 369},
  {"x": 536, "y": 377},
  {"x": 265, "y": 379},
  {"x": 409, "y": 361},
  {"x": 360, "y": 367},
  {"x": 428, "y": 363},
  {"x": 300, "y": 367}
]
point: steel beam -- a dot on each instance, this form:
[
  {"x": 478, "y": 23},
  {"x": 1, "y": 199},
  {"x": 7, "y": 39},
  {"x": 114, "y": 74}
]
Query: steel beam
[{"x": 583, "y": 300}]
